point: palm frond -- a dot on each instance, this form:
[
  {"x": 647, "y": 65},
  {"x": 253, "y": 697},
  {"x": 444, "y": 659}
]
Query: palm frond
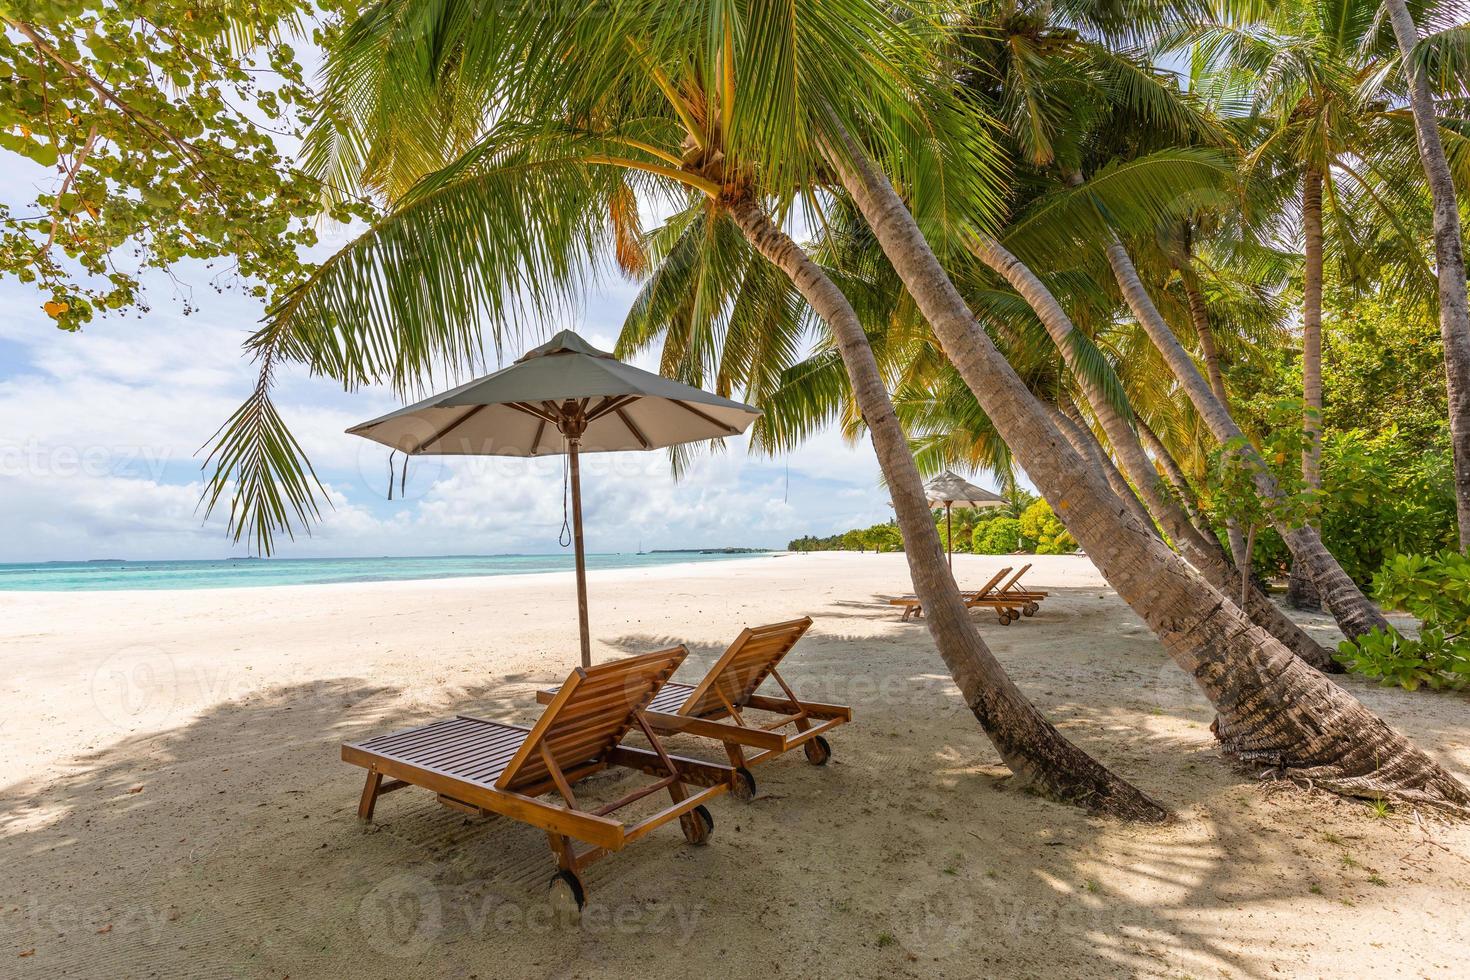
[{"x": 1127, "y": 197}]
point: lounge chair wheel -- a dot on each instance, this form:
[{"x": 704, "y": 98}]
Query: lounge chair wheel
[
  {"x": 567, "y": 895},
  {"x": 698, "y": 825},
  {"x": 817, "y": 751},
  {"x": 744, "y": 785},
  {"x": 1004, "y": 615},
  {"x": 1030, "y": 608}
]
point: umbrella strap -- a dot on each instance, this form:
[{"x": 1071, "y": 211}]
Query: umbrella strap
[
  {"x": 565, "y": 537},
  {"x": 402, "y": 478}
]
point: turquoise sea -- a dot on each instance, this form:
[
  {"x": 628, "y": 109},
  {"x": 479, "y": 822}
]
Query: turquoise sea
[{"x": 72, "y": 576}]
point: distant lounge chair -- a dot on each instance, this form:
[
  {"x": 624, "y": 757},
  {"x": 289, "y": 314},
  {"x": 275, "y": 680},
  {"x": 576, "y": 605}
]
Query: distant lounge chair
[
  {"x": 1007, "y": 608},
  {"x": 714, "y": 707},
  {"x": 1030, "y": 598},
  {"x": 484, "y": 767}
]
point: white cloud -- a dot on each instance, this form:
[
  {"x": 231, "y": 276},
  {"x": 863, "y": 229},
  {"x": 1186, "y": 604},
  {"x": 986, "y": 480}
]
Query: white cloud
[{"x": 99, "y": 433}]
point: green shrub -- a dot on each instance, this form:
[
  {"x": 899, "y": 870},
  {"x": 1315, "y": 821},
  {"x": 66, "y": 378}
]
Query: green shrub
[
  {"x": 1435, "y": 659},
  {"x": 999, "y": 536},
  {"x": 1386, "y": 463},
  {"x": 884, "y": 537},
  {"x": 1381, "y": 494},
  {"x": 1040, "y": 525},
  {"x": 1436, "y": 589}
]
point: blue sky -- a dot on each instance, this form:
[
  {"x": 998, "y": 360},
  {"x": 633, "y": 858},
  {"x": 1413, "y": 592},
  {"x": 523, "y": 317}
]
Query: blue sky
[{"x": 99, "y": 433}]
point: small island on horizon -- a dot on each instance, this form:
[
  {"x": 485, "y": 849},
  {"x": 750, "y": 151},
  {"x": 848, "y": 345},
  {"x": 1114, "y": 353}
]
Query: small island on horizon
[{"x": 709, "y": 551}]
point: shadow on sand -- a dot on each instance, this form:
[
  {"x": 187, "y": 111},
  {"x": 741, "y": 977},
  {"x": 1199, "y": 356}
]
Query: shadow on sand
[{"x": 229, "y": 845}]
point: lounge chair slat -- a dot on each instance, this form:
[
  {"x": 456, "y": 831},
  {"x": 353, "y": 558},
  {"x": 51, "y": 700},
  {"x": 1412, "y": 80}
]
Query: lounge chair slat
[
  {"x": 666, "y": 700},
  {"x": 482, "y": 737},
  {"x": 484, "y": 766},
  {"x": 424, "y": 732},
  {"x": 639, "y": 678},
  {"x": 699, "y": 711},
  {"x": 483, "y": 729},
  {"x": 489, "y": 770},
  {"x": 669, "y": 699},
  {"x": 736, "y": 675},
  {"x": 470, "y": 749},
  {"x": 589, "y": 709},
  {"x": 447, "y": 761},
  {"x": 422, "y": 760},
  {"x": 448, "y": 731},
  {"x": 429, "y": 738}
]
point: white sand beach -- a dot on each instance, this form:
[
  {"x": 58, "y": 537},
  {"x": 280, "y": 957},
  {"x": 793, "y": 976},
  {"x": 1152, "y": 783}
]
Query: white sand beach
[{"x": 174, "y": 804}]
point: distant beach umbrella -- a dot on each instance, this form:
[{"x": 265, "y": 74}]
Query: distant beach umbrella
[
  {"x": 952, "y": 490},
  {"x": 564, "y": 397}
]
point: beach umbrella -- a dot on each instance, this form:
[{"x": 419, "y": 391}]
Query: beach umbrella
[
  {"x": 952, "y": 490},
  {"x": 564, "y": 397}
]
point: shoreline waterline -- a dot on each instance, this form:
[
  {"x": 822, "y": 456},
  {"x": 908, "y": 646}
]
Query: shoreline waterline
[{"x": 232, "y": 573}]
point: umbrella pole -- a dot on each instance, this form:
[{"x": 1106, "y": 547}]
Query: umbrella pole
[
  {"x": 949, "y": 535},
  {"x": 586, "y": 635}
]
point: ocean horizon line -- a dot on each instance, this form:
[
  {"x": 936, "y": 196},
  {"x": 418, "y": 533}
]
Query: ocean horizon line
[
  {"x": 113, "y": 574},
  {"x": 466, "y": 555}
]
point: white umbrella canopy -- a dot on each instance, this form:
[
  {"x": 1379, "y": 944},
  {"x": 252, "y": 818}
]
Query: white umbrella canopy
[
  {"x": 566, "y": 396},
  {"x": 951, "y": 490},
  {"x": 519, "y": 411}
]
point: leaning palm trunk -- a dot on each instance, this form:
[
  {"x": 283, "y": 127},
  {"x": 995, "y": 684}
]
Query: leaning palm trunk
[
  {"x": 1174, "y": 474},
  {"x": 1085, "y": 443},
  {"x": 1449, "y": 258},
  {"x": 1273, "y": 709},
  {"x": 1301, "y": 594},
  {"x": 1202, "y": 550},
  {"x": 1199, "y": 315},
  {"x": 1033, "y": 749},
  {"x": 1312, "y": 330},
  {"x": 1354, "y": 613}
]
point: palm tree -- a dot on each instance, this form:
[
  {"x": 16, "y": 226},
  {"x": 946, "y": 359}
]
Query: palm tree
[
  {"x": 585, "y": 101},
  {"x": 941, "y": 415},
  {"x": 582, "y": 103},
  {"x": 1101, "y": 390},
  {"x": 1202, "y": 550},
  {"x": 1181, "y": 241},
  {"x": 1048, "y": 81},
  {"x": 1342, "y": 747},
  {"x": 1449, "y": 255},
  {"x": 1294, "y": 716},
  {"x": 1315, "y": 75},
  {"x": 1092, "y": 109}
]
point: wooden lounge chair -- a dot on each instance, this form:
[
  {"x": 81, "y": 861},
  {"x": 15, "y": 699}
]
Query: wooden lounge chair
[
  {"x": 1007, "y": 608},
  {"x": 1030, "y": 598},
  {"x": 714, "y": 708},
  {"x": 484, "y": 767}
]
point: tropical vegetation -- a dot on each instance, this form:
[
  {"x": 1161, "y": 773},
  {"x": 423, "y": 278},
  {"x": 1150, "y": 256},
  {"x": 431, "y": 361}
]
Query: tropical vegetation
[
  {"x": 1006, "y": 236},
  {"x": 1436, "y": 589},
  {"x": 1037, "y": 531}
]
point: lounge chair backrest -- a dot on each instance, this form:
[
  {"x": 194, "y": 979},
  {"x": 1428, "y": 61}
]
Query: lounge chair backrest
[
  {"x": 590, "y": 714},
  {"x": 984, "y": 590},
  {"x": 743, "y": 666},
  {"x": 1016, "y": 578}
]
